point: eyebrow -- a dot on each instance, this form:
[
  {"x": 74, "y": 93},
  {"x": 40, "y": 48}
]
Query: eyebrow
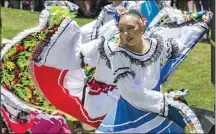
[{"x": 128, "y": 25}]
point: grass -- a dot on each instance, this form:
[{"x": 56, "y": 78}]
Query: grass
[
  {"x": 194, "y": 73},
  {"x": 15, "y": 21}
]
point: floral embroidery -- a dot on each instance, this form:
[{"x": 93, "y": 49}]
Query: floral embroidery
[
  {"x": 190, "y": 127},
  {"x": 15, "y": 63}
]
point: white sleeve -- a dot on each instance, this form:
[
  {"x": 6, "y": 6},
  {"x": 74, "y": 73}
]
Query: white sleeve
[
  {"x": 66, "y": 51},
  {"x": 63, "y": 48},
  {"x": 174, "y": 40},
  {"x": 134, "y": 93},
  {"x": 89, "y": 52},
  {"x": 169, "y": 45}
]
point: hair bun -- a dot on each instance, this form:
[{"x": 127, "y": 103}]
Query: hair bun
[{"x": 122, "y": 11}]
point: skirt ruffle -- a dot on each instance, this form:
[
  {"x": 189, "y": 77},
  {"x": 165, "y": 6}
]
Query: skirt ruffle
[{"x": 128, "y": 119}]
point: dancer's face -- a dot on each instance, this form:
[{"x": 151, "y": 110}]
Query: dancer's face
[{"x": 131, "y": 30}]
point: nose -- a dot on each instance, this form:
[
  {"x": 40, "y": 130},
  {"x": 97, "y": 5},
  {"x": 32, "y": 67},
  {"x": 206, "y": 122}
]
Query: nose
[{"x": 125, "y": 33}]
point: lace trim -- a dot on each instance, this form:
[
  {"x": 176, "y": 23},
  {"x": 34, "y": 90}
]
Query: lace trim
[
  {"x": 198, "y": 21},
  {"x": 7, "y": 98},
  {"x": 82, "y": 63},
  {"x": 102, "y": 52},
  {"x": 11, "y": 107},
  {"x": 174, "y": 47},
  {"x": 190, "y": 118},
  {"x": 138, "y": 54},
  {"x": 53, "y": 39},
  {"x": 153, "y": 58},
  {"x": 123, "y": 75},
  {"x": 122, "y": 68}
]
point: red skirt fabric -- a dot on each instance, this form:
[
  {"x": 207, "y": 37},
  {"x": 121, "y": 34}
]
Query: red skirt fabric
[{"x": 50, "y": 82}]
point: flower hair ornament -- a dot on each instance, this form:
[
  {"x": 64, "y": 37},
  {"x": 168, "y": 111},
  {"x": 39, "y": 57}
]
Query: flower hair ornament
[
  {"x": 118, "y": 14},
  {"x": 144, "y": 20},
  {"x": 121, "y": 11}
]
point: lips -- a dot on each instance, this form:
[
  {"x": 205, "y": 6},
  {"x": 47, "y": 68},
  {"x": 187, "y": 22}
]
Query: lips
[{"x": 129, "y": 39}]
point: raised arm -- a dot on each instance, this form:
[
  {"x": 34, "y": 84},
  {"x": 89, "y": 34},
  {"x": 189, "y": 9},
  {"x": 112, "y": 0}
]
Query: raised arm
[{"x": 175, "y": 39}]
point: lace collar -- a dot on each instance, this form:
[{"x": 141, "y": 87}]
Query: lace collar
[{"x": 152, "y": 55}]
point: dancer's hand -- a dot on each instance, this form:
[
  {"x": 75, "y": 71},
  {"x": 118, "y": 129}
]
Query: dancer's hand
[
  {"x": 178, "y": 95},
  {"x": 171, "y": 97},
  {"x": 207, "y": 17}
]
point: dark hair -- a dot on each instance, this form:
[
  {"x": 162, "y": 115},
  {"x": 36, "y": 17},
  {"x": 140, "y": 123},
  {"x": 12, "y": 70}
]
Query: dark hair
[
  {"x": 117, "y": 16},
  {"x": 135, "y": 13}
]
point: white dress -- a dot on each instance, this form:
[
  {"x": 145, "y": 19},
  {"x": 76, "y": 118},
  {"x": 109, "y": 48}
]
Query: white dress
[
  {"x": 94, "y": 55},
  {"x": 67, "y": 52},
  {"x": 141, "y": 109}
]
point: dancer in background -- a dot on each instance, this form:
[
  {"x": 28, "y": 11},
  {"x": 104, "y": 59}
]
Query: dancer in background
[{"x": 91, "y": 30}]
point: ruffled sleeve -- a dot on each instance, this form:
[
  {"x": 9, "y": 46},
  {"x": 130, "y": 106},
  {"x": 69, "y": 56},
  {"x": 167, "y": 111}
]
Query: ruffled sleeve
[
  {"x": 66, "y": 51},
  {"x": 170, "y": 46},
  {"x": 174, "y": 40},
  {"x": 63, "y": 48},
  {"x": 134, "y": 93},
  {"x": 90, "y": 52}
]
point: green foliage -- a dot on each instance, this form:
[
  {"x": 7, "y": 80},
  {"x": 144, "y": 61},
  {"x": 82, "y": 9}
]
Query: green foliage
[
  {"x": 58, "y": 13},
  {"x": 195, "y": 74}
]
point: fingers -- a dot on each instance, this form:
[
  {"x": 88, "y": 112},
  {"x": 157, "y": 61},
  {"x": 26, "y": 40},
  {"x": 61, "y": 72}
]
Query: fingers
[{"x": 207, "y": 17}]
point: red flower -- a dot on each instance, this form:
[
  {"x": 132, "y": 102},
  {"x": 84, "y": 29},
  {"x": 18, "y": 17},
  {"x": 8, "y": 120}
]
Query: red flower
[
  {"x": 17, "y": 72},
  {"x": 34, "y": 96},
  {"x": 15, "y": 80},
  {"x": 0, "y": 65},
  {"x": 30, "y": 88},
  {"x": 52, "y": 31},
  {"x": 20, "y": 48},
  {"x": 44, "y": 29},
  {"x": 55, "y": 28},
  {"x": 144, "y": 20},
  {"x": 5, "y": 86}
]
